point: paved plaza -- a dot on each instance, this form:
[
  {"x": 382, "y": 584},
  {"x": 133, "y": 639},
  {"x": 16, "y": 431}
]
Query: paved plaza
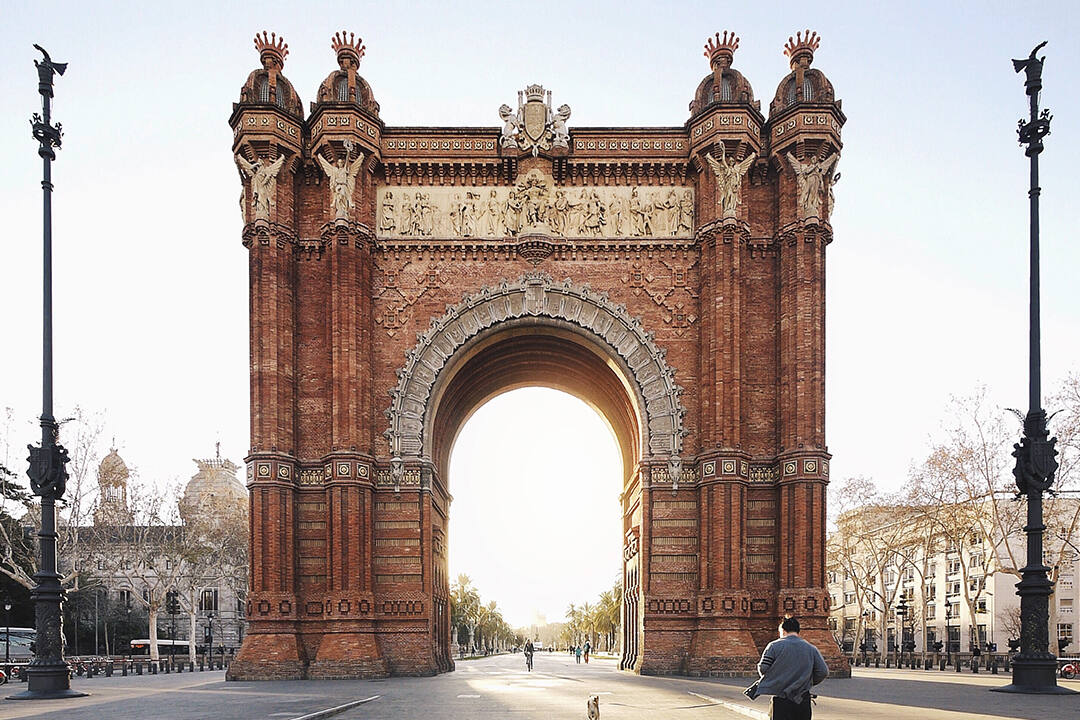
[{"x": 499, "y": 687}]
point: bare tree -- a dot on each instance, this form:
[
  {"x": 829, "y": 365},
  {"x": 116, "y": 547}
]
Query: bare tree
[
  {"x": 147, "y": 550},
  {"x": 18, "y": 550}
]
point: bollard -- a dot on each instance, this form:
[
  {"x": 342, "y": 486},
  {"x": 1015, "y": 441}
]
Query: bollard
[
  {"x": 138, "y": 668},
  {"x": 109, "y": 669},
  {"x": 975, "y": 666},
  {"x": 153, "y": 668},
  {"x": 993, "y": 667},
  {"x": 942, "y": 663},
  {"x": 958, "y": 664},
  {"x": 877, "y": 662},
  {"x": 200, "y": 664},
  {"x": 123, "y": 668}
]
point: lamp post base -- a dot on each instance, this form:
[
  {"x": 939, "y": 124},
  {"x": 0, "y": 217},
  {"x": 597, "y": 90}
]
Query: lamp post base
[
  {"x": 51, "y": 682},
  {"x": 1034, "y": 676}
]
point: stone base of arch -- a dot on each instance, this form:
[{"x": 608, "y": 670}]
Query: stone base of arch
[
  {"x": 348, "y": 655},
  {"x": 269, "y": 656}
]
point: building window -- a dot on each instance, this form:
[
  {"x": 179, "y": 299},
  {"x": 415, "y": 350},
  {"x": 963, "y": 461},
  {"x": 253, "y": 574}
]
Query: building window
[
  {"x": 980, "y": 606},
  {"x": 342, "y": 86},
  {"x": 807, "y": 90},
  {"x": 976, "y": 560},
  {"x": 849, "y": 598},
  {"x": 909, "y": 575},
  {"x": 208, "y": 601},
  {"x": 791, "y": 92},
  {"x": 264, "y": 89},
  {"x": 1065, "y": 582},
  {"x": 954, "y": 566},
  {"x": 953, "y": 588},
  {"x": 1065, "y": 631},
  {"x": 1065, "y": 606},
  {"x": 849, "y": 624},
  {"x": 931, "y": 590},
  {"x": 832, "y": 601},
  {"x": 832, "y": 576},
  {"x": 931, "y": 611},
  {"x": 146, "y": 596},
  {"x": 931, "y": 571},
  {"x": 125, "y": 597}
]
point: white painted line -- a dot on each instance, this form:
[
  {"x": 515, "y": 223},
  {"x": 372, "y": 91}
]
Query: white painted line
[
  {"x": 468, "y": 696},
  {"x": 735, "y": 707},
  {"x": 328, "y": 712}
]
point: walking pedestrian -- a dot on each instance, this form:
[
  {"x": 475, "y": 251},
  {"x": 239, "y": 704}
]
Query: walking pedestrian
[
  {"x": 588, "y": 646},
  {"x": 789, "y": 667},
  {"x": 577, "y": 654}
]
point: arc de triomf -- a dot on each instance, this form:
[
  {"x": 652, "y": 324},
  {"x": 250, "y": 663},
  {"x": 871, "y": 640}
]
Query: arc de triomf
[{"x": 671, "y": 277}]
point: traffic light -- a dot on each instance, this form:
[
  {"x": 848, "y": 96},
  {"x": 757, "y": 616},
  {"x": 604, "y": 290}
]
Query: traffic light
[{"x": 172, "y": 602}]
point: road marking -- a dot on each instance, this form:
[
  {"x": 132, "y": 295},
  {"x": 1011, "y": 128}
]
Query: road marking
[
  {"x": 468, "y": 696},
  {"x": 328, "y": 712},
  {"x": 735, "y": 707}
]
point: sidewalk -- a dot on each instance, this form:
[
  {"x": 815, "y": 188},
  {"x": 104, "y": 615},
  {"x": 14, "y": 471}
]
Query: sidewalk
[{"x": 872, "y": 694}]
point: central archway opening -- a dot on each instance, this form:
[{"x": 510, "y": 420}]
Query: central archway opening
[
  {"x": 548, "y": 431},
  {"x": 536, "y": 518}
]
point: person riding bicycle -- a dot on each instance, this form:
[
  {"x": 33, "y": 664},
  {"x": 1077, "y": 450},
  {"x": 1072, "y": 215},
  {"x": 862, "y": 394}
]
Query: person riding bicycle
[{"x": 529, "y": 650}]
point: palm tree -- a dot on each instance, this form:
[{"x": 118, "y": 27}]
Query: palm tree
[{"x": 465, "y": 606}]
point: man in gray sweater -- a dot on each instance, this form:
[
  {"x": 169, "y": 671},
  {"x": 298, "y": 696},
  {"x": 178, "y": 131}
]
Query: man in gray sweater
[{"x": 789, "y": 667}]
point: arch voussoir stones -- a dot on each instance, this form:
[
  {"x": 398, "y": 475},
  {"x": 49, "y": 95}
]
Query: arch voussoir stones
[{"x": 536, "y": 295}]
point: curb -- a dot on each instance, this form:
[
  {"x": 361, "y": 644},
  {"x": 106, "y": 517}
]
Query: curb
[
  {"x": 330, "y": 712},
  {"x": 735, "y": 707}
]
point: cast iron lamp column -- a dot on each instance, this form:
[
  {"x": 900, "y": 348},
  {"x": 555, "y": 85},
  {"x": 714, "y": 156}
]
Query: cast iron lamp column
[
  {"x": 1034, "y": 667},
  {"x": 48, "y": 675}
]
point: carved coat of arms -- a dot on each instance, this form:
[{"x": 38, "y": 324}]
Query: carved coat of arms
[{"x": 535, "y": 126}]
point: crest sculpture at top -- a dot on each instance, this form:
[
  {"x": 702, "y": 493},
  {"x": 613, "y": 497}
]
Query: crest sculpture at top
[{"x": 535, "y": 126}]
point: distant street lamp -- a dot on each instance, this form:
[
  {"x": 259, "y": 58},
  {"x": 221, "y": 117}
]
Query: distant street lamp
[
  {"x": 7, "y": 631},
  {"x": 901, "y": 613},
  {"x": 210, "y": 637},
  {"x": 1034, "y": 667},
  {"x": 48, "y": 675}
]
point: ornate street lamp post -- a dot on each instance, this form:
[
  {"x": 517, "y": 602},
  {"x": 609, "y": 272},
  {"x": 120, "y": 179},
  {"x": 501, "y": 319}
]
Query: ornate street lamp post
[
  {"x": 1034, "y": 667},
  {"x": 48, "y": 675}
]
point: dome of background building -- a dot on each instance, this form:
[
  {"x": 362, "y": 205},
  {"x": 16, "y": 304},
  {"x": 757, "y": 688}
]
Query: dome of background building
[
  {"x": 112, "y": 502},
  {"x": 214, "y": 488}
]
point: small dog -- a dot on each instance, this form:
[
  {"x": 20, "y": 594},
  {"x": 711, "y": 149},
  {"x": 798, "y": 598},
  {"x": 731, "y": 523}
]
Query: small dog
[{"x": 593, "y": 705}]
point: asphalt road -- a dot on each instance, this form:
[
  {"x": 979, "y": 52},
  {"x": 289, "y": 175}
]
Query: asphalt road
[
  {"x": 500, "y": 687},
  {"x": 491, "y": 687}
]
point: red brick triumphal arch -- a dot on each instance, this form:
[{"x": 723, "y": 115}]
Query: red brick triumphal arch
[{"x": 671, "y": 277}]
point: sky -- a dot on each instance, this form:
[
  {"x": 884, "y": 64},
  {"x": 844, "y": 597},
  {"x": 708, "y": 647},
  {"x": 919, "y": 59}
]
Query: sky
[{"x": 927, "y": 275}]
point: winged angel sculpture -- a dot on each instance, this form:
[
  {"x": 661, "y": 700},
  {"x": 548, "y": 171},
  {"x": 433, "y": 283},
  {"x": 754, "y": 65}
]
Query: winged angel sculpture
[{"x": 729, "y": 174}]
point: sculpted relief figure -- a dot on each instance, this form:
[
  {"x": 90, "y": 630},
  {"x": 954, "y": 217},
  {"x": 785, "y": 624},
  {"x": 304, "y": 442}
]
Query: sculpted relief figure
[
  {"x": 686, "y": 212},
  {"x": 640, "y": 215},
  {"x": 511, "y": 127},
  {"x": 263, "y": 174},
  {"x": 342, "y": 176},
  {"x": 729, "y": 175},
  {"x": 389, "y": 214},
  {"x": 510, "y": 211},
  {"x": 812, "y": 181}
]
